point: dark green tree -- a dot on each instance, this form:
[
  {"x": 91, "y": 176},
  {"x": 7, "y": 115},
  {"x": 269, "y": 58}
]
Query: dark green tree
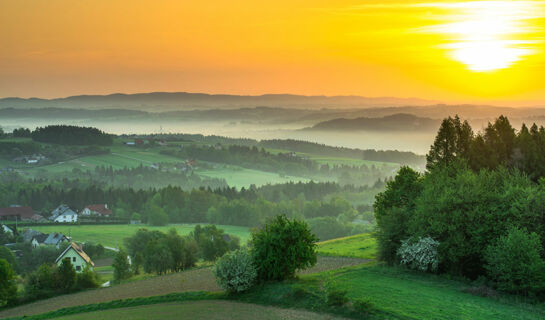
[
  {"x": 121, "y": 266},
  {"x": 8, "y": 288},
  {"x": 281, "y": 247},
  {"x": 65, "y": 276}
]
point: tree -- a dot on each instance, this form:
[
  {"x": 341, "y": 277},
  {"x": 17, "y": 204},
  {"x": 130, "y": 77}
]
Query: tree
[
  {"x": 282, "y": 247},
  {"x": 443, "y": 150},
  {"x": 211, "y": 241},
  {"x": 7, "y": 255},
  {"x": 157, "y": 216},
  {"x": 515, "y": 264},
  {"x": 86, "y": 279},
  {"x": 8, "y": 288},
  {"x": 121, "y": 266},
  {"x": 394, "y": 209},
  {"x": 158, "y": 257},
  {"x": 65, "y": 276}
]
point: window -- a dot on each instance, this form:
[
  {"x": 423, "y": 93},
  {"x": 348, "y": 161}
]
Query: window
[
  {"x": 73, "y": 259},
  {"x": 78, "y": 268}
]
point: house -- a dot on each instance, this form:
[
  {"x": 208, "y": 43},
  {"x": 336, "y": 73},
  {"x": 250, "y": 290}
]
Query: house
[
  {"x": 130, "y": 143},
  {"x": 16, "y": 212},
  {"x": 77, "y": 256},
  {"x": 28, "y": 234},
  {"x": 7, "y": 229},
  {"x": 55, "y": 239},
  {"x": 38, "y": 240},
  {"x": 63, "y": 214},
  {"x": 96, "y": 210}
]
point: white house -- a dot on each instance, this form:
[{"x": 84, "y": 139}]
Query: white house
[
  {"x": 96, "y": 210},
  {"x": 63, "y": 214},
  {"x": 78, "y": 258},
  {"x": 7, "y": 229}
]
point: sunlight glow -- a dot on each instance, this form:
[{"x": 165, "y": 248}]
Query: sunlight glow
[{"x": 487, "y": 35}]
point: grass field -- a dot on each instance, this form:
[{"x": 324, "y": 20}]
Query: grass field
[
  {"x": 200, "y": 310},
  {"x": 112, "y": 235},
  {"x": 242, "y": 177},
  {"x": 361, "y": 246}
]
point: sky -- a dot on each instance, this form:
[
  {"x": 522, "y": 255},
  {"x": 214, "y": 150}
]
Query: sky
[{"x": 451, "y": 51}]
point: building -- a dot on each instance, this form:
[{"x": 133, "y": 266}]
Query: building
[
  {"x": 16, "y": 212},
  {"x": 28, "y": 234},
  {"x": 38, "y": 240},
  {"x": 63, "y": 214},
  {"x": 96, "y": 210},
  {"x": 7, "y": 229},
  {"x": 77, "y": 256},
  {"x": 55, "y": 239}
]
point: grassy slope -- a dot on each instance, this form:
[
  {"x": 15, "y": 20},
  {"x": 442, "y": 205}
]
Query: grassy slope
[
  {"x": 361, "y": 246},
  {"x": 109, "y": 235},
  {"x": 242, "y": 177},
  {"x": 200, "y": 310}
]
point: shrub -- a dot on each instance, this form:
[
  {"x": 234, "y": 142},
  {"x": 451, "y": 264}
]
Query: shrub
[
  {"x": 282, "y": 247},
  {"x": 514, "y": 263},
  {"x": 235, "y": 271},
  {"x": 336, "y": 297},
  {"x": 420, "y": 255},
  {"x": 64, "y": 276},
  {"x": 362, "y": 306},
  {"x": 86, "y": 279},
  {"x": 93, "y": 250}
]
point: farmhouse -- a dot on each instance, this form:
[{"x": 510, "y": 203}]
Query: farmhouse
[
  {"x": 16, "y": 212},
  {"x": 77, "y": 256},
  {"x": 96, "y": 210},
  {"x": 55, "y": 239},
  {"x": 63, "y": 214},
  {"x": 28, "y": 234}
]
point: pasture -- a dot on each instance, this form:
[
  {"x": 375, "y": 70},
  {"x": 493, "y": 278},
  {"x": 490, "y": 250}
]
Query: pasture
[
  {"x": 113, "y": 235},
  {"x": 242, "y": 177},
  {"x": 362, "y": 246}
]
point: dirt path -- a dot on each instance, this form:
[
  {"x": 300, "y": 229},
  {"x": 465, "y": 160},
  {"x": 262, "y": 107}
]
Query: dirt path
[
  {"x": 192, "y": 280},
  {"x": 213, "y": 310}
]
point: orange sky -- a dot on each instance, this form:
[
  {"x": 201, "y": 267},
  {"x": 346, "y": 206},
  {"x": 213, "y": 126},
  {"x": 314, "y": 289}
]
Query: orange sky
[{"x": 472, "y": 51}]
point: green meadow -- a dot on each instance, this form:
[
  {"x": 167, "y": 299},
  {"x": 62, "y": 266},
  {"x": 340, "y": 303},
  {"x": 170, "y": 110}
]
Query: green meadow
[{"x": 113, "y": 235}]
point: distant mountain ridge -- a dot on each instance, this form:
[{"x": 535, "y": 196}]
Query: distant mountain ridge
[
  {"x": 172, "y": 101},
  {"x": 395, "y": 122}
]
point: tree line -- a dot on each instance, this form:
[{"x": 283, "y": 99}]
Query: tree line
[{"x": 71, "y": 135}]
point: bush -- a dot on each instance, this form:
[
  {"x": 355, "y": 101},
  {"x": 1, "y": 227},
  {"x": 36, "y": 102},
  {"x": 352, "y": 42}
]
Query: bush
[
  {"x": 336, "y": 297},
  {"x": 282, "y": 247},
  {"x": 514, "y": 263},
  {"x": 235, "y": 271},
  {"x": 86, "y": 279},
  {"x": 93, "y": 250},
  {"x": 64, "y": 277},
  {"x": 420, "y": 255}
]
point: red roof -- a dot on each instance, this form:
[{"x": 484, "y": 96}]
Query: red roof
[
  {"x": 22, "y": 212},
  {"x": 100, "y": 209}
]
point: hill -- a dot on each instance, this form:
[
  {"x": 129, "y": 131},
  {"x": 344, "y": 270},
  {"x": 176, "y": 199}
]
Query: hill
[
  {"x": 396, "y": 122},
  {"x": 184, "y": 100}
]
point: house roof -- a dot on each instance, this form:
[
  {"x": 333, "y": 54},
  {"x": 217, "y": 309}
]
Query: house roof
[
  {"x": 28, "y": 234},
  {"x": 100, "y": 209},
  {"x": 62, "y": 210},
  {"x": 40, "y": 238},
  {"x": 79, "y": 251},
  {"x": 55, "y": 238},
  {"x": 23, "y": 212}
]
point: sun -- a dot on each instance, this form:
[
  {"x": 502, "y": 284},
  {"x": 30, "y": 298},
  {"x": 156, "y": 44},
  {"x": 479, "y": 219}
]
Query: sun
[{"x": 487, "y": 35}]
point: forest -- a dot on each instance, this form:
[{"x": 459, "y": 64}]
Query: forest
[{"x": 71, "y": 135}]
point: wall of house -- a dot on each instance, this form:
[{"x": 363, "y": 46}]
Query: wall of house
[
  {"x": 69, "y": 218},
  {"x": 76, "y": 259}
]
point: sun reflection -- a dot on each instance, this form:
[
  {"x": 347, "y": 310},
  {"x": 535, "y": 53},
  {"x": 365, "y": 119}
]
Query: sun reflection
[{"x": 487, "y": 35}]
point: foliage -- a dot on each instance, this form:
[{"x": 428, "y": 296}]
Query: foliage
[
  {"x": 419, "y": 255},
  {"x": 93, "y": 250},
  {"x": 514, "y": 262},
  {"x": 71, "y": 135},
  {"x": 394, "y": 209},
  {"x": 282, "y": 247},
  {"x": 213, "y": 242},
  {"x": 336, "y": 297},
  {"x": 86, "y": 279},
  {"x": 235, "y": 271},
  {"x": 64, "y": 277},
  {"x": 8, "y": 289},
  {"x": 7, "y": 254},
  {"x": 121, "y": 266}
]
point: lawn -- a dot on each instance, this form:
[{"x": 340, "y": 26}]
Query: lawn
[
  {"x": 113, "y": 235},
  {"x": 361, "y": 246},
  {"x": 214, "y": 309}
]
